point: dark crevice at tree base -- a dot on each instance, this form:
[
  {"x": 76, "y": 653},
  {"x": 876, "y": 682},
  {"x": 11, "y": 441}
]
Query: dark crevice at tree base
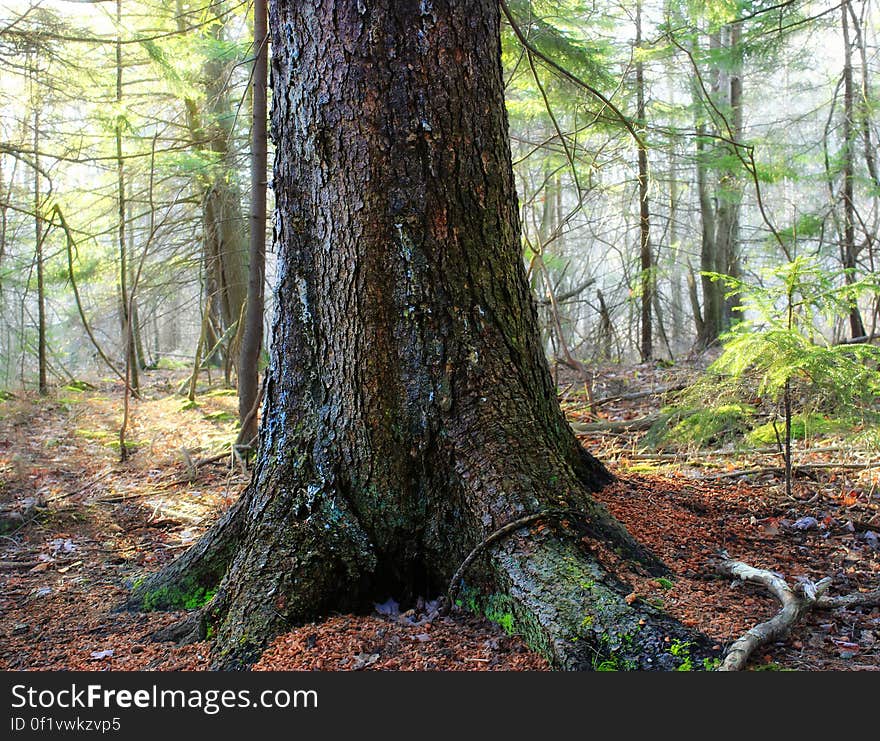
[{"x": 542, "y": 586}]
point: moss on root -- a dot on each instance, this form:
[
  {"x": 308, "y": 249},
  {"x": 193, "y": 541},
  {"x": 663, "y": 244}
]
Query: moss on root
[{"x": 188, "y": 594}]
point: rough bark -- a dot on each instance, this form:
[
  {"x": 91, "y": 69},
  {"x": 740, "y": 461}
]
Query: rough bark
[{"x": 410, "y": 411}]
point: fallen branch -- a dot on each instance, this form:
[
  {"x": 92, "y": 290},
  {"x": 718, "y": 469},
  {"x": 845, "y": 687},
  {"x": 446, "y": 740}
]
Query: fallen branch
[
  {"x": 795, "y": 468},
  {"x": 624, "y": 425},
  {"x": 16, "y": 565},
  {"x": 863, "y": 340},
  {"x": 81, "y": 489},
  {"x": 640, "y": 394},
  {"x": 796, "y": 602},
  {"x": 213, "y": 459},
  {"x": 694, "y": 456},
  {"x": 192, "y": 467},
  {"x": 794, "y": 605},
  {"x": 856, "y": 599},
  {"x": 38, "y": 565}
]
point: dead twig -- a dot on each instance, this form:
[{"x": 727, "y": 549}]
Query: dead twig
[
  {"x": 448, "y": 600},
  {"x": 640, "y": 394},
  {"x": 80, "y": 490}
]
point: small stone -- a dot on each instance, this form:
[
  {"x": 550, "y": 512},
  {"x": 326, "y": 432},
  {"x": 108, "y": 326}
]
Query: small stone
[{"x": 20, "y": 628}]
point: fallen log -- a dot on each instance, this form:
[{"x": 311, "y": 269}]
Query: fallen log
[
  {"x": 623, "y": 425},
  {"x": 795, "y": 468}
]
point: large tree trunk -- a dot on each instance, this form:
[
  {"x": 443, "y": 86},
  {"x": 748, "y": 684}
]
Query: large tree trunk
[{"x": 410, "y": 412}]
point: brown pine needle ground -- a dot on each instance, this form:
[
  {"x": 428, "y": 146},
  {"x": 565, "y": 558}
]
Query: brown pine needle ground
[{"x": 98, "y": 523}]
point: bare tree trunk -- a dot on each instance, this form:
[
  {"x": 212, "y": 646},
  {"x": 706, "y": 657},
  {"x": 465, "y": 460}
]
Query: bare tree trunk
[
  {"x": 4, "y": 207},
  {"x": 865, "y": 101},
  {"x": 675, "y": 251},
  {"x": 646, "y": 258},
  {"x": 694, "y": 299},
  {"x": 708, "y": 320},
  {"x": 39, "y": 237},
  {"x": 252, "y": 333},
  {"x": 729, "y": 191},
  {"x": 606, "y": 328},
  {"x": 138, "y": 354},
  {"x": 848, "y": 250},
  {"x": 709, "y": 323},
  {"x": 225, "y": 246},
  {"x": 131, "y": 373}
]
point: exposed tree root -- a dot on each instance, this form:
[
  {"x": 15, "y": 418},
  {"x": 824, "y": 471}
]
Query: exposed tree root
[
  {"x": 191, "y": 629},
  {"x": 455, "y": 581},
  {"x": 796, "y": 602},
  {"x": 195, "y": 573},
  {"x": 576, "y": 613}
]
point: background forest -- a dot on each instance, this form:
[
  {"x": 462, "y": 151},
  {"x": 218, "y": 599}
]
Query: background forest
[
  {"x": 699, "y": 197},
  {"x": 657, "y": 146}
]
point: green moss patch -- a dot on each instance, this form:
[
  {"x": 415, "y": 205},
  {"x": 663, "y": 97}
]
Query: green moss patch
[
  {"x": 187, "y": 597},
  {"x": 803, "y": 426},
  {"x": 709, "y": 426}
]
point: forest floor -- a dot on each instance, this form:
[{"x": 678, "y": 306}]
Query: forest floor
[{"x": 77, "y": 524}]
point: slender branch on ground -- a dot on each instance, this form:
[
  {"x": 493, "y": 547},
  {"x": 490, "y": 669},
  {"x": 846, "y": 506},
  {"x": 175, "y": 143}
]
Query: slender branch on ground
[
  {"x": 796, "y": 602},
  {"x": 795, "y": 468},
  {"x": 623, "y": 425}
]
